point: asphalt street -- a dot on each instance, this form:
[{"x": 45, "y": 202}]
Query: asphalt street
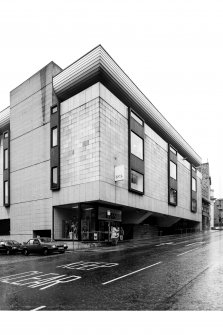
[{"x": 178, "y": 273}]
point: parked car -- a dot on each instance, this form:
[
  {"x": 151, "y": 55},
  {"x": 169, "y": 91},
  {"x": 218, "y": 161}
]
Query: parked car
[
  {"x": 10, "y": 246},
  {"x": 43, "y": 245}
]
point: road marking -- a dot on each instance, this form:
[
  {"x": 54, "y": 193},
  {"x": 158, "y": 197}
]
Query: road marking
[
  {"x": 35, "y": 279},
  {"x": 164, "y": 243},
  {"x": 194, "y": 243},
  {"x": 182, "y": 242},
  {"x": 131, "y": 273},
  {"x": 38, "y": 308},
  {"x": 87, "y": 265},
  {"x": 188, "y": 251}
]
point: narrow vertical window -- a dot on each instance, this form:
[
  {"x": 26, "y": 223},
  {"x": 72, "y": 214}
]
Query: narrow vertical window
[
  {"x": 193, "y": 189},
  {"x": 54, "y": 137},
  {"x": 6, "y": 162},
  {"x": 55, "y": 147},
  {"x": 136, "y": 153},
  {"x": 172, "y": 176},
  {"x": 136, "y": 145},
  {"x": 194, "y": 184},
  {"x": 54, "y": 177},
  {"x": 137, "y": 181},
  {"x": 54, "y": 109},
  {"x": 6, "y": 193},
  {"x": 173, "y": 197},
  {"x": 173, "y": 170}
]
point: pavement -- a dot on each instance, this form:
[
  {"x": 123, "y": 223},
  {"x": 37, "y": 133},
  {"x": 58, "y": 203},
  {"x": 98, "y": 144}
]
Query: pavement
[{"x": 130, "y": 244}]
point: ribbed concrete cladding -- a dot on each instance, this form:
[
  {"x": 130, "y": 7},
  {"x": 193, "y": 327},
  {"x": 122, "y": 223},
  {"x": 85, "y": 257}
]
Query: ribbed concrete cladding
[
  {"x": 96, "y": 66},
  {"x": 4, "y": 118}
]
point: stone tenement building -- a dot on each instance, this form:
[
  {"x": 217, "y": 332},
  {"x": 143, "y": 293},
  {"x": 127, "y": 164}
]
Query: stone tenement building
[
  {"x": 83, "y": 149},
  {"x": 206, "y": 192},
  {"x": 218, "y": 213}
]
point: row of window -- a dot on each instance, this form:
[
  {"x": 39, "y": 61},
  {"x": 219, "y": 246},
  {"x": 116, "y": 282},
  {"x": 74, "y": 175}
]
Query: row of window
[
  {"x": 6, "y": 173},
  {"x": 55, "y": 147},
  {"x": 137, "y": 178},
  {"x": 136, "y": 159}
]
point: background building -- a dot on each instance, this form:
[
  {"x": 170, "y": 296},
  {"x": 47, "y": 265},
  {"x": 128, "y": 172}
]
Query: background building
[
  {"x": 206, "y": 192},
  {"x": 218, "y": 213},
  {"x": 82, "y": 150},
  {"x": 212, "y": 198}
]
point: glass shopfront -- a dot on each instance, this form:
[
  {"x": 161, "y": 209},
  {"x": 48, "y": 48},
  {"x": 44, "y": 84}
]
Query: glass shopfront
[{"x": 85, "y": 222}]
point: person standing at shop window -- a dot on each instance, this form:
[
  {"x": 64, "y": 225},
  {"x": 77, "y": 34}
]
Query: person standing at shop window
[
  {"x": 121, "y": 236},
  {"x": 114, "y": 235}
]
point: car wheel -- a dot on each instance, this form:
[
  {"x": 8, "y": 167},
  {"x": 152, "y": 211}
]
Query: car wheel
[
  {"x": 62, "y": 252},
  {"x": 45, "y": 252},
  {"x": 26, "y": 253},
  {"x": 8, "y": 252}
]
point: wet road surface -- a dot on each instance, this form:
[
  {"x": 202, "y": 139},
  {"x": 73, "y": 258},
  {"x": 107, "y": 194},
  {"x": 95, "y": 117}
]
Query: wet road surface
[{"x": 175, "y": 274}]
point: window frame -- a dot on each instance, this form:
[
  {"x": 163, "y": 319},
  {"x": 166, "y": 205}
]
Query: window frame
[
  {"x": 136, "y": 118},
  {"x": 5, "y": 134},
  {"x": 194, "y": 184},
  {"x": 170, "y": 202},
  {"x": 6, "y": 203},
  {"x": 54, "y": 185},
  {"x": 174, "y": 151},
  {"x": 170, "y": 161},
  {"x": 132, "y": 132},
  {"x": 53, "y": 108},
  {"x": 6, "y": 159},
  {"x": 143, "y": 180},
  {"x": 192, "y": 209},
  {"x": 52, "y": 137}
]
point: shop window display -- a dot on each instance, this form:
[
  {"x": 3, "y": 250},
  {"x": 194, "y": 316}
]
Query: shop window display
[
  {"x": 88, "y": 222},
  {"x": 70, "y": 229}
]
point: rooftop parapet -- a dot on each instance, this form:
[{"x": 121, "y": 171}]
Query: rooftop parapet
[{"x": 98, "y": 65}]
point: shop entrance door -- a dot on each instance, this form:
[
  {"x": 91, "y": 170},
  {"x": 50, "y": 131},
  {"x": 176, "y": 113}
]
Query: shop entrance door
[{"x": 104, "y": 229}]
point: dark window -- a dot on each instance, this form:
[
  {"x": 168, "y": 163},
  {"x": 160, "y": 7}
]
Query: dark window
[
  {"x": 6, "y": 159},
  {"x": 5, "y": 227},
  {"x": 173, "y": 170},
  {"x": 136, "y": 118},
  {"x": 54, "y": 109},
  {"x": 136, "y": 181},
  {"x": 173, "y": 196},
  {"x": 136, "y": 145},
  {"x": 6, "y": 192},
  {"x": 194, "y": 205},
  {"x": 54, "y": 137}
]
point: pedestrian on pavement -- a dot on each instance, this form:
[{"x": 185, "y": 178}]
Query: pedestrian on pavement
[
  {"x": 121, "y": 234},
  {"x": 114, "y": 235}
]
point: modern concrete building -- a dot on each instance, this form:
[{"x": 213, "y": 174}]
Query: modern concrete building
[{"x": 83, "y": 149}]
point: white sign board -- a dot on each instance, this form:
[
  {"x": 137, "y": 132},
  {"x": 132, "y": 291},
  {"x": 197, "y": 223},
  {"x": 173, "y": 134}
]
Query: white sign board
[{"x": 119, "y": 172}]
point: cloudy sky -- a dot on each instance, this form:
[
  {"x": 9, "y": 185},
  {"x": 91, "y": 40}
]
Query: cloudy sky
[{"x": 172, "y": 50}]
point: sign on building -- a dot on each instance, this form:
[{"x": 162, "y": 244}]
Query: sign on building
[{"x": 119, "y": 172}]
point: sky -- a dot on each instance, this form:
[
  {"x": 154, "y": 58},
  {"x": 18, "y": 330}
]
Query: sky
[{"x": 172, "y": 50}]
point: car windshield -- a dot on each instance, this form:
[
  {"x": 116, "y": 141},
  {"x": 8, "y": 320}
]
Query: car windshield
[
  {"x": 45, "y": 239},
  {"x": 9, "y": 242}
]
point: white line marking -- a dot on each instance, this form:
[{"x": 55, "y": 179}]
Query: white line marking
[
  {"x": 194, "y": 243},
  {"x": 158, "y": 245},
  {"x": 188, "y": 251},
  {"x": 38, "y": 308},
  {"x": 131, "y": 273}
]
